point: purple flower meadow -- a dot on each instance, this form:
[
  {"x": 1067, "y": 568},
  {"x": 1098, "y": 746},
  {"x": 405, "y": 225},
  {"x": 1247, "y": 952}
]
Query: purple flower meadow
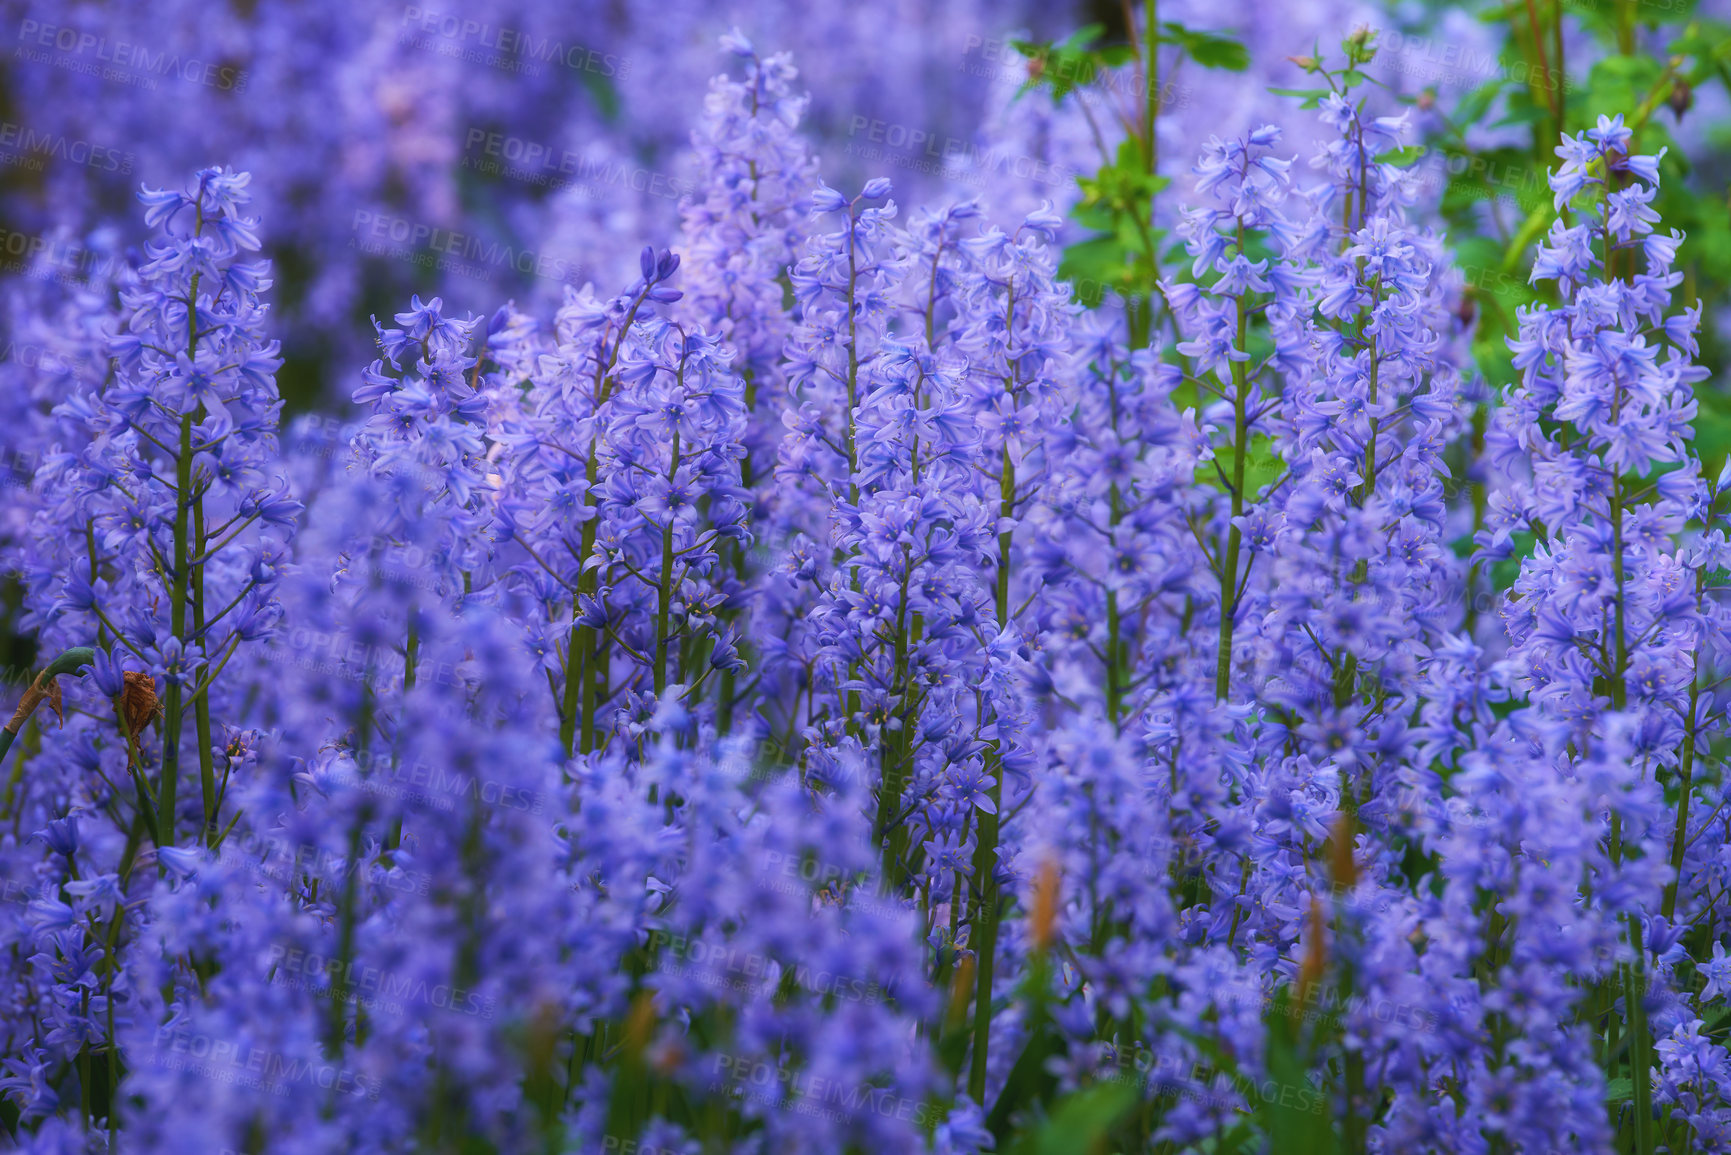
[{"x": 873, "y": 655}]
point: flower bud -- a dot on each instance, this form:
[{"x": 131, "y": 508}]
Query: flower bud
[
  {"x": 1342, "y": 869},
  {"x": 1682, "y": 98},
  {"x": 1315, "y": 952},
  {"x": 1044, "y": 912},
  {"x": 960, "y": 989}
]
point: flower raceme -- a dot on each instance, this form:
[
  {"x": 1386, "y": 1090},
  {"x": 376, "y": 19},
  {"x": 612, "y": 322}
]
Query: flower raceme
[{"x": 839, "y": 691}]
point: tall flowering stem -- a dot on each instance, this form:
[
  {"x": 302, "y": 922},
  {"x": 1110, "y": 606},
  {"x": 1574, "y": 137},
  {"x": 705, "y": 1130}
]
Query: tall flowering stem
[
  {"x": 1249, "y": 185},
  {"x": 1603, "y": 613},
  {"x": 186, "y": 428}
]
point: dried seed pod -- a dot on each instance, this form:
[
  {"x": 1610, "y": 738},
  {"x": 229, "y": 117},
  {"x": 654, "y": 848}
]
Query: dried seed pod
[{"x": 138, "y": 702}]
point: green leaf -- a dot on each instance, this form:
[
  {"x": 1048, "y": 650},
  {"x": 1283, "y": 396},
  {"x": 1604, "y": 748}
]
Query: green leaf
[
  {"x": 1209, "y": 49},
  {"x": 1403, "y": 157},
  {"x": 1312, "y": 96},
  {"x": 1093, "y": 267},
  {"x": 1476, "y": 103},
  {"x": 1081, "y": 1121},
  {"x": 1028, "y": 1083},
  {"x": 1712, "y": 422},
  {"x": 1295, "y": 1115},
  {"x": 1504, "y": 573},
  {"x": 1069, "y": 64},
  {"x": 1537, "y": 222},
  {"x": 602, "y": 92}
]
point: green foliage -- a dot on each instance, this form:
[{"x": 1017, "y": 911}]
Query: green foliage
[
  {"x": 1122, "y": 251},
  {"x": 1208, "y": 49},
  {"x": 1496, "y": 205},
  {"x": 1286, "y": 1103},
  {"x": 1496, "y": 200},
  {"x": 1062, "y": 67},
  {"x": 1081, "y": 1121}
]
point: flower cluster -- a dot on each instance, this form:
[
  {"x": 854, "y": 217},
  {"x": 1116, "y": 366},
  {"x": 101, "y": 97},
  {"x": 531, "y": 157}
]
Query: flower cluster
[{"x": 841, "y": 692}]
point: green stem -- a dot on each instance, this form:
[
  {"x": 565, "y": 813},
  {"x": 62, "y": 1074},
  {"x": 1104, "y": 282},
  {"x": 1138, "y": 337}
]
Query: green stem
[
  {"x": 580, "y": 660},
  {"x": 337, "y": 1029},
  {"x": 1685, "y": 783},
  {"x": 201, "y": 704},
  {"x": 985, "y": 933},
  {"x": 66, "y": 663},
  {"x": 183, "y": 507},
  {"x": 664, "y": 588},
  {"x": 569, "y": 704},
  {"x": 1114, "y": 668},
  {"x": 986, "y": 848},
  {"x": 172, "y": 702},
  {"x": 1151, "y": 123},
  {"x": 852, "y": 365},
  {"x": 1229, "y": 568},
  {"x": 893, "y": 754},
  {"x": 1640, "y": 1041}
]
